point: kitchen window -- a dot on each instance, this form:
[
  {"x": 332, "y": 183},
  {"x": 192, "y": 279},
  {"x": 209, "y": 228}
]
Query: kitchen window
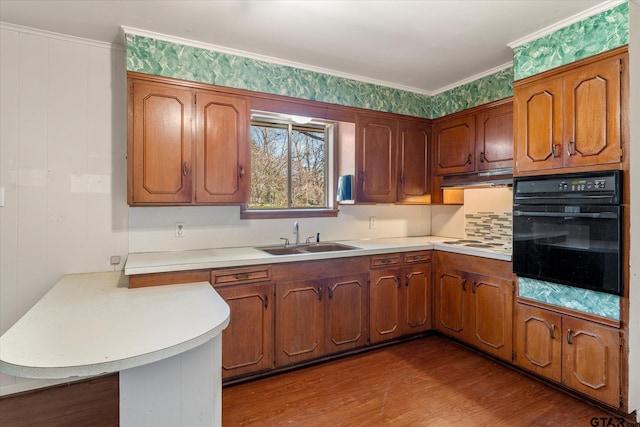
[{"x": 291, "y": 167}]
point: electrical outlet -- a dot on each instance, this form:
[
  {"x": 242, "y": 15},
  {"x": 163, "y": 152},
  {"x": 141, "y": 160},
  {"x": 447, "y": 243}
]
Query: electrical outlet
[
  {"x": 372, "y": 222},
  {"x": 179, "y": 229},
  {"x": 114, "y": 260}
]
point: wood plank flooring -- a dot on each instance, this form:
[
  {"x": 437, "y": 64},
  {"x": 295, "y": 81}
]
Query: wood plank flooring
[{"x": 430, "y": 381}]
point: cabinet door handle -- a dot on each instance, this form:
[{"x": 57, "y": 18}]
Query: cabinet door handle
[
  {"x": 266, "y": 301},
  {"x": 555, "y": 148},
  {"x": 468, "y": 160},
  {"x": 569, "y": 336},
  {"x": 571, "y": 148},
  {"x": 552, "y": 331},
  {"x": 482, "y": 157},
  {"x": 408, "y": 277},
  {"x": 184, "y": 168},
  {"x": 240, "y": 172},
  {"x": 320, "y": 293},
  {"x": 464, "y": 285},
  {"x": 398, "y": 281},
  {"x": 474, "y": 285},
  {"x": 330, "y": 293}
]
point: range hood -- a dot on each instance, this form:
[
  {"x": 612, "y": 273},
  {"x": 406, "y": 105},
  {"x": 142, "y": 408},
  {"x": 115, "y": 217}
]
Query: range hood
[{"x": 485, "y": 179}]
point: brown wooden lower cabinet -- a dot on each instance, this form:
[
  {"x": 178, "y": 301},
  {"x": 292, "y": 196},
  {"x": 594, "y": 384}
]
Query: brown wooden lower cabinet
[
  {"x": 474, "y": 302},
  {"x": 582, "y": 355},
  {"x": 400, "y": 295},
  {"x": 318, "y": 317},
  {"x": 247, "y": 342}
]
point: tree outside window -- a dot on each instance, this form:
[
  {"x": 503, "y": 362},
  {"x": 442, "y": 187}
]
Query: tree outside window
[{"x": 289, "y": 167}]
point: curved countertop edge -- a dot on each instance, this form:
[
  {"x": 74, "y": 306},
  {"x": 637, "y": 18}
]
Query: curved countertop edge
[
  {"x": 12, "y": 348},
  {"x": 197, "y": 259},
  {"x": 43, "y": 372}
]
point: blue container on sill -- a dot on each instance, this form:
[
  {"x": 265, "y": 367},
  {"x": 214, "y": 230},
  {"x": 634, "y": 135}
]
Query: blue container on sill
[{"x": 345, "y": 187}]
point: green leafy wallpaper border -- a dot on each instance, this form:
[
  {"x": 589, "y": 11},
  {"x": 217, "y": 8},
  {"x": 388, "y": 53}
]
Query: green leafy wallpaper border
[
  {"x": 162, "y": 58},
  {"x": 478, "y": 92},
  {"x": 604, "y": 31},
  {"x": 599, "y": 33}
]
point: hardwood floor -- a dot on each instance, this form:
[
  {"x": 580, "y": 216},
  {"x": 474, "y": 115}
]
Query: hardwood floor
[{"x": 430, "y": 381}]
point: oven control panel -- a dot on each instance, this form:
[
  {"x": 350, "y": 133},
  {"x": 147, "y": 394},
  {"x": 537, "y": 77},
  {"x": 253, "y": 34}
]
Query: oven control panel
[
  {"x": 583, "y": 185},
  {"x": 598, "y": 186}
]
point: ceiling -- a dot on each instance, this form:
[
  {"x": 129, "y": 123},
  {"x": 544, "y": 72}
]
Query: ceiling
[{"x": 421, "y": 46}]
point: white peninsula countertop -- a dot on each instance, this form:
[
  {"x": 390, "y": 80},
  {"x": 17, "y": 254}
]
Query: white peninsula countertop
[
  {"x": 161, "y": 262},
  {"x": 90, "y": 324}
]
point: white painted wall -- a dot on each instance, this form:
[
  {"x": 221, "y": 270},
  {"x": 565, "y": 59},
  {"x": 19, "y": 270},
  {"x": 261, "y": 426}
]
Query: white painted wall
[
  {"x": 634, "y": 234},
  {"x": 62, "y": 167},
  {"x": 153, "y": 229}
]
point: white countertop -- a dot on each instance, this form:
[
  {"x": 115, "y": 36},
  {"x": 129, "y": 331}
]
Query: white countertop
[
  {"x": 158, "y": 262},
  {"x": 90, "y": 324}
]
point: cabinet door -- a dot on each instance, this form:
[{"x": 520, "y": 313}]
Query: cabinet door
[
  {"x": 346, "y": 313},
  {"x": 538, "y": 341},
  {"x": 248, "y": 340},
  {"x": 160, "y": 144},
  {"x": 384, "y": 310},
  {"x": 455, "y": 141},
  {"x": 299, "y": 321},
  {"x": 494, "y": 138},
  {"x": 491, "y": 314},
  {"x": 591, "y": 359},
  {"x": 452, "y": 303},
  {"x": 413, "y": 162},
  {"x": 222, "y": 148},
  {"x": 376, "y": 159},
  {"x": 592, "y": 114},
  {"x": 538, "y": 125},
  {"x": 416, "y": 313}
]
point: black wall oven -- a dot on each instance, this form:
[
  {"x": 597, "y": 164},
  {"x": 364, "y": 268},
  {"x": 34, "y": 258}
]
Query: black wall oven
[{"x": 568, "y": 229}]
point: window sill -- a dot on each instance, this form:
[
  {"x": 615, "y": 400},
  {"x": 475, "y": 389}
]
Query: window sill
[{"x": 284, "y": 213}]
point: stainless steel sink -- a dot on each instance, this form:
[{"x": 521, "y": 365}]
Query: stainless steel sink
[
  {"x": 302, "y": 249},
  {"x": 327, "y": 247}
]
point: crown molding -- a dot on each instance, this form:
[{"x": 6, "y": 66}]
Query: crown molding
[
  {"x": 59, "y": 36},
  {"x": 269, "y": 59},
  {"x": 473, "y": 78},
  {"x": 566, "y": 22}
]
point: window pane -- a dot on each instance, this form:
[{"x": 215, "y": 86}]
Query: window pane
[
  {"x": 269, "y": 164},
  {"x": 308, "y": 168}
]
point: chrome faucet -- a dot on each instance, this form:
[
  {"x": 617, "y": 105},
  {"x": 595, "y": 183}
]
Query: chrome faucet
[{"x": 296, "y": 231}]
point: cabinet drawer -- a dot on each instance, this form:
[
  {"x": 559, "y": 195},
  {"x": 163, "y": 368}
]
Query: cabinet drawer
[
  {"x": 171, "y": 278},
  {"x": 238, "y": 276},
  {"x": 389, "y": 260},
  {"x": 417, "y": 257}
]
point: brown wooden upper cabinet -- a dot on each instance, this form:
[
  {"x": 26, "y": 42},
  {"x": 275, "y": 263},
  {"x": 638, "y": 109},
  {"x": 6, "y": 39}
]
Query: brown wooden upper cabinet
[
  {"x": 160, "y": 143},
  {"x": 186, "y": 146},
  {"x": 476, "y": 140},
  {"x": 571, "y": 117},
  {"x": 392, "y": 160},
  {"x": 222, "y": 155}
]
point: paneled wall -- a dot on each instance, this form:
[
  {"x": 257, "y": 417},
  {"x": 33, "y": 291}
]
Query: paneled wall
[{"x": 62, "y": 166}]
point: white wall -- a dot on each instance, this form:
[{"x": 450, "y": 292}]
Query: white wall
[
  {"x": 153, "y": 229},
  {"x": 634, "y": 235},
  {"x": 62, "y": 167}
]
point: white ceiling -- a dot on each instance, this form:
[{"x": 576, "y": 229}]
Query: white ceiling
[{"x": 422, "y": 46}]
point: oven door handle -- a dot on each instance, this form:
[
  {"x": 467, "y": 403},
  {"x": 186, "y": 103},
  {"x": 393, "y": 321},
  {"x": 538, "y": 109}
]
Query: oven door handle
[{"x": 604, "y": 215}]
